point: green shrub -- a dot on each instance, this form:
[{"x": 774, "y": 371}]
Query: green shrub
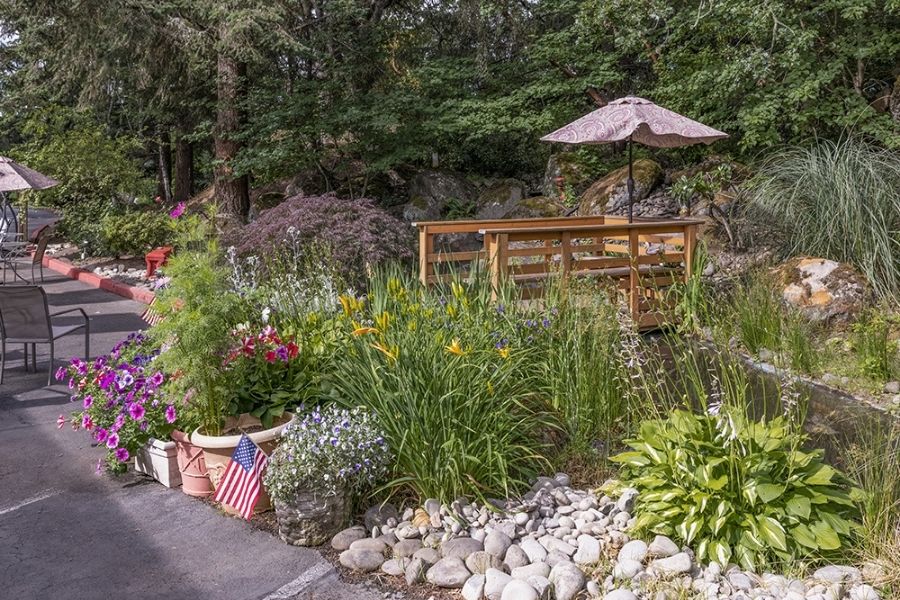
[
  {"x": 81, "y": 224},
  {"x": 758, "y": 314},
  {"x": 135, "y": 233},
  {"x": 797, "y": 342},
  {"x": 737, "y": 490},
  {"x": 875, "y": 352},
  {"x": 839, "y": 201}
]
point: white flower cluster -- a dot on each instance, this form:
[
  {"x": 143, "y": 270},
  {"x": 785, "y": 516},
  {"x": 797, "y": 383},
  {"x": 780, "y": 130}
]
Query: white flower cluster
[{"x": 329, "y": 450}]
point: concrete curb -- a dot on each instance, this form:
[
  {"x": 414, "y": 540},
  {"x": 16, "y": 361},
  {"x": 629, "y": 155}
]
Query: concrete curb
[{"x": 66, "y": 268}]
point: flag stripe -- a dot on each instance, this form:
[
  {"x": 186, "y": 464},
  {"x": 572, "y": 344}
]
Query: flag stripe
[{"x": 241, "y": 486}]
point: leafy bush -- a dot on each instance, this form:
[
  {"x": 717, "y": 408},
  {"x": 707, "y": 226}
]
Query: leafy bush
[
  {"x": 840, "y": 201},
  {"x": 329, "y": 450},
  {"x": 82, "y": 224},
  {"x": 874, "y": 350},
  {"x": 737, "y": 489},
  {"x": 135, "y": 233},
  {"x": 358, "y": 234}
]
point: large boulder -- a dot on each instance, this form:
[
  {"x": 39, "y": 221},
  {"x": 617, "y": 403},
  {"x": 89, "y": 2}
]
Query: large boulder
[
  {"x": 610, "y": 194},
  {"x": 430, "y": 192},
  {"x": 568, "y": 166},
  {"x": 823, "y": 290},
  {"x": 499, "y": 199}
]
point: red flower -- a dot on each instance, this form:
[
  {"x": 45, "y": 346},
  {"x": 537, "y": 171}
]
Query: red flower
[
  {"x": 270, "y": 356},
  {"x": 293, "y": 350}
]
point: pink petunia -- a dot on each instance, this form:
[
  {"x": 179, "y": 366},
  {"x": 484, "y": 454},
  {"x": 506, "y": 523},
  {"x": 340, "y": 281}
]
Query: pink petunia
[
  {"x": 136, "y": 411},
  {"x": 122, "y": 454},
  {"x": 177, "y": 211},
  {"x": 170, "y": 414},
  {"x": 88, "y": 400},
  {"x": 60, "y": 421},
  {"x": 87, "y": 422},
  {"x": 100, "y": 435},
  {"x": 112, "y": 440}
]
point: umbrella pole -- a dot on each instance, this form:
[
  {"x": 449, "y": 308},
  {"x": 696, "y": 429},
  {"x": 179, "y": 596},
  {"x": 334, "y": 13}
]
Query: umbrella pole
[{"x": 630, "y": 184}]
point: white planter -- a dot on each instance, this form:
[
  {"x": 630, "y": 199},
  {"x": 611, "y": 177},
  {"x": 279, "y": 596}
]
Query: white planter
[{"x": 158, "y": 459}]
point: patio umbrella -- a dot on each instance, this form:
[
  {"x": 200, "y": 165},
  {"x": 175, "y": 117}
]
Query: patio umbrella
[
  {"x": 635, "y": 120},
  {"x": 13, "y": 178}
]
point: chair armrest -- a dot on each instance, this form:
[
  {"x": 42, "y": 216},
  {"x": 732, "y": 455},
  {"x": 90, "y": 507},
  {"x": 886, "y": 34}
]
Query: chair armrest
[{"x": 71, "y": 310}]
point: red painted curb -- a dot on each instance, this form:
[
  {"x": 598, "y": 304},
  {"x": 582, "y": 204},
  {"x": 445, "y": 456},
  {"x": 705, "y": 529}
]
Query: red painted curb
[{"x": 64, "y": 267}]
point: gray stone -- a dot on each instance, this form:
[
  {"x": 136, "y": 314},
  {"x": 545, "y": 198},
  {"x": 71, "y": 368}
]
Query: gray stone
[
  {"x": 620, "y": 594},
  {"x": 838, "y": 574},
  {"x": 892, "y": 387},
  {"x": 361, "y": 559},
  {"x": 342, "y": 540},
  {"x": 567, "y": 579},
  {"x": 673, "y": 565},
  {"x": 518, "y": 589},
  {"x": 515, "y": 557},
  {"x": 662, "y": 547},
  {"x": 432, "y": 506},
  {"x": 588, "y": 550},
  {"x": 460, "y": 548},
  {"x": 533, "y": 549},
  {"x": 480, "y": 562},
  {"x": 395, "y": 566},
  {"x": 864, "y": 592},
  {"x": 415, "y": 571},
  {"x": 553, "y": 544},
  {"x": 407, "y": 547},
  {"x": 494, "y": 582},
  {"x": 524, "y": 572},
  {"x": 473, "y": 589},
  {"x": 626, "y": 568},
  {"x": 375, "y": 545},
  {"x": 379, "y": 515},
  {"x": 555, "y": 557},
  {"x": 406, "y": 531},
  {"x": 506, "y": 527},
  {"x": 429, "y": 555},
  {"x": 542, "y": 586},
  {"x": 496, "y": 543},
  {"x": 593, "y": 589},
  {"x": 740, "y": 581},
  {"x": 449, "y": 572},
  {"x": 520, "y": 518},
  {"x": 634, "y": 550},
  {"x": 625, "y": 503}
]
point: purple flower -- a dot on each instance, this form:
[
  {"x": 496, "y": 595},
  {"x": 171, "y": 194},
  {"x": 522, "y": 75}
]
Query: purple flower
[
  {"x": 144, "y": 425},
  {"x": 136, "y": 411},
  {"x": 100, "y": 435},
  {"x": 177, "y": 211},
  {"x": 120, "y": 420},
  {"x": 60, "y": 373},
  {"x": 122, "y": 455},
  {"x": 546, "y": 322},
  {"x": 170, "y": 414},
  {"x": 282, "y": 353},
  {"x": 334, "y": 441},
  {"x": 157, "y": 379},
  {"x": 88, "y": 400},
  {"x": 112, "y": 440}
]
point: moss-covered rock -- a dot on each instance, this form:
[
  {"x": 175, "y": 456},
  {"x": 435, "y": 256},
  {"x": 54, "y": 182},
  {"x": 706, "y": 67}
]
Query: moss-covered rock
[
  {"x": 430, "y": 191},
  {"x": 569, "y": 166},
  {"x": 499, "y": 199},
  {"x": 611, "y": 192}
]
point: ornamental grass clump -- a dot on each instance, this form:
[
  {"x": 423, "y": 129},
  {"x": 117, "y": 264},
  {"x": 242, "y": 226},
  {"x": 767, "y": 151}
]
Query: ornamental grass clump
[
  {"x": 737, "y": 489},
  {"x": 330, "y": 451},
  {"x": 122, "y": 401}
]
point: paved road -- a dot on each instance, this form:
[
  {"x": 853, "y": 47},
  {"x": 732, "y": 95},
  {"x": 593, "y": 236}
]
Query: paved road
[{"x": 68, "y": 533}]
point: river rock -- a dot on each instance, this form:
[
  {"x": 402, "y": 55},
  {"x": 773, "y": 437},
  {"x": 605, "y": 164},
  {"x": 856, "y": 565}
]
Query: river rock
[
  {"x": 460, "y": 548},
  {"x": 626, "y": 500},
  {"x": 473, "y": 589},
  {"x": 533, "y": 549},
  {"x": 634, "y": 550},
  {"x": 621, "y": 594},
  {"x": 449, "y": 572},
  {"x": 518, "y": 589},
  {"x": 588, "y": 552},
  {"x": 415, "y": 571},
  {"x": 627, "y": 569},
  {"x": 673, "y": 565},
  {"x": 395, "y": 566},
  {"x": 838, "y": 574},
  {"x": 567, "y": 580},
  {"x": 407, "y": 547},
  {"x": 342, "y": 540},
  {"x": 480, "y": 562},
  {"x": 740, "y": 581},
  {"x": 864, "y": 592},
  {"x": 524, "y": 572},
  {"x": 542, "y": 586},
  {"x": 515, "y": 557},
  {"x": 361, "y": 559},
  {"x": 662, "y": 547},
  {"x": 494, "y": 582},
  {"x": 373, "y": 544},
  {"x": 378, "y": 515},
  {"x": 429, "y": 555},
  {"x": 496, "y": 543}
]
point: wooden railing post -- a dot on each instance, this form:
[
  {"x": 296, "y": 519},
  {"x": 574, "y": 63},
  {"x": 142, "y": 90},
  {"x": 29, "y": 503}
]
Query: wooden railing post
[
  {"x": 690, "y": 241},
  {"x": 496, "y": 246},
  {"x": 634, "y": 275},
  {"x": 426, "y": 249},
  {"x": 566, "y": 253}
]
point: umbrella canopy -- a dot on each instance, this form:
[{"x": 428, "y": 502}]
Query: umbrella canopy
[
  {"x": 636, "y": 120},
  {"x": 14, "y": 177}
]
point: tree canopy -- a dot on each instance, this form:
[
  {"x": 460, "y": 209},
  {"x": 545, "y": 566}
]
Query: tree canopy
[{"x": 355, "y": 88}]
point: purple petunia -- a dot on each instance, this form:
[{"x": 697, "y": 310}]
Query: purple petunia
[
  {"x": 100, "y": 435},
  {"x": 136, "y": 411},
  {"x": 177, "y": 211},
  {"x": 60, "y": 373},
  {"x": 112, "y": 440},
  {"x": 88, "y": 401},
  {"x": 170, "y": 414},
  {"x": 122, "y": 454}
]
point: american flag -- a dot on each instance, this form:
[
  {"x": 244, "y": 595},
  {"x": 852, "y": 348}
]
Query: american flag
[{"x": 242, "y": 482}]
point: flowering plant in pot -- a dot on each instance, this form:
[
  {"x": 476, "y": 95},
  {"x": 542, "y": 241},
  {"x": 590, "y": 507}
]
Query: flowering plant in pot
[
  {"x": 321, "y": 461},
  {"x": 122, "y": 404}
]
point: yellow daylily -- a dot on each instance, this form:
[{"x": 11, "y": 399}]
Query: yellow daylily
[
  {"x": 383, "y": 320},
  {"x": 391, "y": 355},
  {"x": 350, "y": 304},
  {"x": 455, "y": 348},
  {"x": 360, "y": 331},
  {"x": 503, "y": 352}
]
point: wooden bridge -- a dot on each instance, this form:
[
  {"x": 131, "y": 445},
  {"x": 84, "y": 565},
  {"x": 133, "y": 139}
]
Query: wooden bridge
[{"x": 640, "y": 259}]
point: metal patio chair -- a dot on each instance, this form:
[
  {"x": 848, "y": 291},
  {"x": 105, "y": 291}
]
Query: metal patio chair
[{"x": 25, "y": 318}]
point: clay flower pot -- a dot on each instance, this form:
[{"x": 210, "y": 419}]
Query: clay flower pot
[
  {"x": 192, "y": 465},
  {"x": 219, "y": 448}
]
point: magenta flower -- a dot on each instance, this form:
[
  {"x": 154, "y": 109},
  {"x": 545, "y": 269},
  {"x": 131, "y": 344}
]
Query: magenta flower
[
  {"x": 177, "y": 211},
  {"x": 122, "y": 454},
  {"x": 170, "y": 414},
  {"x": 100, "y": 435},
  {"x": 136, "y": 411},
  {"x": 88, "y": 400},
  {"x": 157, "y": 379},
  {"x": 87, "y": 422},
  {"x": 60, "y": 421},
  {"x": 112, "y": 440},
  {"x": 60, "y": 373}
]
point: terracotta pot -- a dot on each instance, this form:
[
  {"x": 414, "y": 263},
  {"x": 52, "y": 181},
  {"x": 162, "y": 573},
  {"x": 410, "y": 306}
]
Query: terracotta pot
[
  {"x": 192, "y": 465},
  {"x": 219, "y": 448}
]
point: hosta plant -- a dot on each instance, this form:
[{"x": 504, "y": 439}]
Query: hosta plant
[{"x": 738, "y": 490}]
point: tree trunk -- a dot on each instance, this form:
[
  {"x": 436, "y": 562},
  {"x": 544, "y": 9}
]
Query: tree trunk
[
  {"x": 232, "y": 193},
  {"x": 184, "y": 169},
  {"x": 164, "y": 167}
]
